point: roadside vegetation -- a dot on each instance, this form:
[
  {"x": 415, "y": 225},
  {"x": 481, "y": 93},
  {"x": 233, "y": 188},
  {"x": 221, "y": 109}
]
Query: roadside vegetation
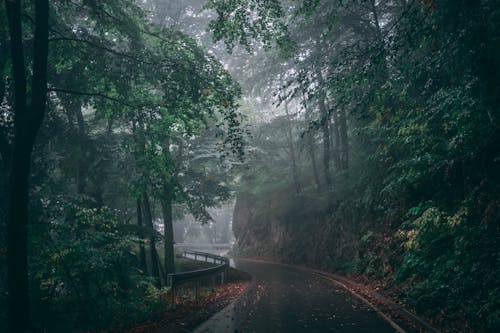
[
  {"x": 359, "y": 136},
  {"x": 383, "y": 158},
  {"x": 110, "y": 125}
]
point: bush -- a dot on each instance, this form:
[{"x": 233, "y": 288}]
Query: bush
[
  {"x": 452, "y": 263},
  {"x": 86, "y": 275}
]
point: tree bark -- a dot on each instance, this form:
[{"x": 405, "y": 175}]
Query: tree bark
[
  {"x": 82, "y": 136},
  {"x": 142, "y": 250},
  {"x": 5, "y": 149},
  {"x": 311, "y": 148},
  {"x": 27, "y": 122},
  {"x": 166, "y": 206},
  {"x": 325, "y": 119},
  {"x": 344, "y": 140},
  {"x": 4, "y": 56},
  {"x": 292, "y": 149},
  {"x": 145, "y": 207},
  {"x": 17, "y": 207},
  {"x": 336, "y": 139},
  {"x": 155, "y": 271},
  {"x": 312, "y": 153}
]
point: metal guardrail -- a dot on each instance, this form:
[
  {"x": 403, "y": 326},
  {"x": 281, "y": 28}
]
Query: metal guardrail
[
  {"x": 177, "y": 279},
  {"x": 204, "y": 256},
  {"x": 206, "y": 246}
]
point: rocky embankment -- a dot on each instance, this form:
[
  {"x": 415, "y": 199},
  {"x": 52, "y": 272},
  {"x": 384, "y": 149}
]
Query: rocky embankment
[{"x": 295, "y": 233}]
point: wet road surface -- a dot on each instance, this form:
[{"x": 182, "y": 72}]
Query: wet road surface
[{"x": 286, "y": 299}]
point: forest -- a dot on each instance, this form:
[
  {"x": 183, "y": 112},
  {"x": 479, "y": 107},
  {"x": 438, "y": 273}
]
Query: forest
[{"x": 356, "y": 137}]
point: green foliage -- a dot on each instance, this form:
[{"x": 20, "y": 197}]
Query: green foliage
[
  {"x": 452, "y": 263},
  {"x": 130, "y": 103},
  {"x": 421, "y": 91},
  {"x": 236, "y": 23},
  {"x": 141, "y": 109},
  {"x": 86, "y": 274}
]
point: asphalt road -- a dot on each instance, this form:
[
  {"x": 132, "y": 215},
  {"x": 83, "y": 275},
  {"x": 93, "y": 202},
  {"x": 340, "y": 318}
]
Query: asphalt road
[{"x": 286, "y": 299}]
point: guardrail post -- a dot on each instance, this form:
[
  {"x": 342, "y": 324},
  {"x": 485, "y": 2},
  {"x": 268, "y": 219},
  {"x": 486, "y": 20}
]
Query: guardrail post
[
  {"x": 197, "y": 290},
  {"x": 170, "y": 278},
  {"x": 173, "y": 297}
]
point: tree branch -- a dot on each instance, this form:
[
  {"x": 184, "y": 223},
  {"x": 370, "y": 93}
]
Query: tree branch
[
  {"x": 123, "y": 24},
  {"x": 104, "y": 48},
  {"x": 93, "y": 44},
  {"x": 104, "y": 96},
  {"x": 91, "y": 94}
]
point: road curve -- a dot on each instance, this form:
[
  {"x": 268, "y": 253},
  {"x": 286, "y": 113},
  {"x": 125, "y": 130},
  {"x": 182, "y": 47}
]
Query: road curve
[{"x": 283, "y": 298}]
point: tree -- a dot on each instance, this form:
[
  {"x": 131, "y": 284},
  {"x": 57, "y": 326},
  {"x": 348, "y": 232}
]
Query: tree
[
  {"x": 107, "y": 69},
  {"x": 407, "y": 89},
  {"x": 27, "y": 121}
]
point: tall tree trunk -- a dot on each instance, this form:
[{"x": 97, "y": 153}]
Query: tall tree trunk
[
  {"x": 80, "y": 169},
  {"x": 167, "y": 203},
  {"x": 5, "y": 149},
  {"x": 311, "y": 147},
  {"x": 166, "y": 206},
  {"x": 336, "y": 140},
  {"x": 27, "y": 122},
  {"x": 331, "y": 125},
  {"x": 17, "y": 264},
  {"x": 292, "y": 149},
  {"x": 142, "y": 250},
  {"x": 324, "y": 114},
  {"x": 147, "y": 217},
  {"x": 4, "y": 57},
  {"x": 155, "y": 271},
  {"x": 344, "y": 140},
  {"x": 17, "y": 208},
  {"x": 325, "y": 120},
  {"x": 168, "y": 229},
  {"x": 312, "y": 153}
]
